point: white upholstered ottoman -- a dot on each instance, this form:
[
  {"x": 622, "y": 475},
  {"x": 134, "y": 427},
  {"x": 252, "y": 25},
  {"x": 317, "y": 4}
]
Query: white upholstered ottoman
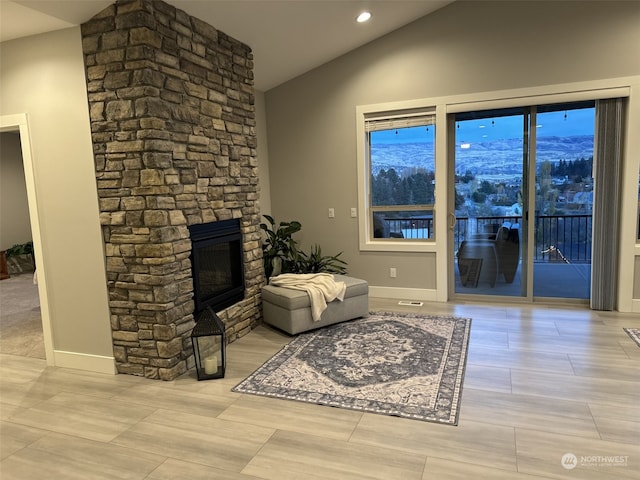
[{"x": 290, "y": 310}]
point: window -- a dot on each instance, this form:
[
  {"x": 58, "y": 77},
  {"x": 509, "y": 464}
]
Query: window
[{"x": 400, "y": 150}]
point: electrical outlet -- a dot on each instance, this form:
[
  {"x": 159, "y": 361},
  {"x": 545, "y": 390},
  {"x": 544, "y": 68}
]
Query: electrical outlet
[
  {"x": 392, "y": 272},
  {"x": 332, "y": 212},
  {"x": 354, "y": 212}
]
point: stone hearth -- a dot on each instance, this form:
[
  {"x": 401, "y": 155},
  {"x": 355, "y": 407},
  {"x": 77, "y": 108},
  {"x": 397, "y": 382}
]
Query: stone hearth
[{"x": 173, "y": 124}]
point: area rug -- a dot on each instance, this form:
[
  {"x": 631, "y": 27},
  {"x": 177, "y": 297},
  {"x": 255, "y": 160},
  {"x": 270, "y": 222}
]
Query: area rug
[
  {"x": 406, "y": 365},
  {"x": 634, "y": 333}
]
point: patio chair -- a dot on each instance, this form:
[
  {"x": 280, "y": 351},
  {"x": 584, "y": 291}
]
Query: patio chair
[{"x": 499, "y": 254}]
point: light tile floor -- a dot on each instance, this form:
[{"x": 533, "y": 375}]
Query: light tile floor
[{"x": 541, "y": 382}]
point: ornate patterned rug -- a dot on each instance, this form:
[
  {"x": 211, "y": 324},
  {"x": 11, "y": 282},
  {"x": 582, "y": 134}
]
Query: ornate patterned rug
[
  {"x": 634, "y": 333},
  {"x": 400, "y": 364}
]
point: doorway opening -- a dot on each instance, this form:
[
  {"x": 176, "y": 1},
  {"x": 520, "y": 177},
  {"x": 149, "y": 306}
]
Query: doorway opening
[{"x": 33, "y": 296}]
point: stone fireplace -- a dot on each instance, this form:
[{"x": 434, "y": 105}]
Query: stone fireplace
[{"x": 173, "y": 127}]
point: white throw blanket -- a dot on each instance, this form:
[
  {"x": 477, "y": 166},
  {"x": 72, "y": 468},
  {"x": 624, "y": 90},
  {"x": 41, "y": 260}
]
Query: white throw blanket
[{"x": 321, "y": 287}]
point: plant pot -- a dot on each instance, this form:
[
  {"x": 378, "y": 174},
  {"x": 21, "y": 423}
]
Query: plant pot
[{"x": 276, "y": 263}]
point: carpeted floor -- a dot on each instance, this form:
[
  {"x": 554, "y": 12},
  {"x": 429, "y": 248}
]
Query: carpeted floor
[
  {"x": 634, "y": 333},
  {"x": 405, "y": 365},
  {"x": 20, "y": 321}
]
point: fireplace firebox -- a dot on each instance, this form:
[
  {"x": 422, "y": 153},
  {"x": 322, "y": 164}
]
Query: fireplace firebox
[{"x": 217, "y": 264}]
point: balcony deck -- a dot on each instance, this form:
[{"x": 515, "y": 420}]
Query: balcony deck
[
  {"x": 570, "y": 234},
  {"x": 551, "y": 280}
]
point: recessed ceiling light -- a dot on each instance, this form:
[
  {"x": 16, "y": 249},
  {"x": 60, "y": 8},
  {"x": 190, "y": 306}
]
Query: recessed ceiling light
[{"x": 363, "y": 17}]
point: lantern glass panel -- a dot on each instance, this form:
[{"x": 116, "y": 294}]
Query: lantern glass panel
[
  {"x": 208, "y": 338},
  {"x": 210, "y": 353}
]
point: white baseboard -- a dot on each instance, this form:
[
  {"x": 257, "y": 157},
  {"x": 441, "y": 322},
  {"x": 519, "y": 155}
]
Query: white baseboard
[
  {"x": 635, "y": 306},
  {"x": 422, "y": 294},
  {"x": 84, "y": 361}
]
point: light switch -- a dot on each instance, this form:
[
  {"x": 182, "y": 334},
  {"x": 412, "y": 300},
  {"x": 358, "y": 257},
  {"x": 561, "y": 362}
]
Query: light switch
[
  {"x": 332, "y": 212},
  {"x": 354, "y": 212}
]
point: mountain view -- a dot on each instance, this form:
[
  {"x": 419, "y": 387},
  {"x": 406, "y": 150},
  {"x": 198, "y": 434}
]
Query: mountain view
[{"x": 495, "y": 160}]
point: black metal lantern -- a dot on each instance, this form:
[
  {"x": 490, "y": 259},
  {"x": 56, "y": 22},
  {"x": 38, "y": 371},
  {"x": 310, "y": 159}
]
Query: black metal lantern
[{"x": 208, "y": 340}]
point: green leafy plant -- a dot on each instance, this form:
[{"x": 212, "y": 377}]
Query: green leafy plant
[
  {"x": 280, "y": 252},
  {"x": 315, "y": 262},
  {"x": 20, "y": 249},
  {"x": 279, "y": 249}
]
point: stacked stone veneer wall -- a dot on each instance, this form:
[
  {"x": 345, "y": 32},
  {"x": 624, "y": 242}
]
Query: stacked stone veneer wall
[{"x": 172, "y": 117}]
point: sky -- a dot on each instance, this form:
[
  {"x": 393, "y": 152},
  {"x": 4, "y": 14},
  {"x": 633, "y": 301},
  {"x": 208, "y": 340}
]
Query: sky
[
  {"x": 551, "y": 124},
  {"x": 576, "y": 122}
]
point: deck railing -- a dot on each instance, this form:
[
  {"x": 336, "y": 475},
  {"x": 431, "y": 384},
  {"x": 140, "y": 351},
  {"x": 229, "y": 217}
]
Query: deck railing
[
  {"x": 571, "y": 234},
  {"x": 414, "y": 227}
]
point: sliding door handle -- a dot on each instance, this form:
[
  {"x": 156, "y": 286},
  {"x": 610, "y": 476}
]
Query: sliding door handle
[{"x": 452, "y": 221}]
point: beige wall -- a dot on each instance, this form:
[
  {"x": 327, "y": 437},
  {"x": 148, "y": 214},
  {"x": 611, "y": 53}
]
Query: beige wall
[
  {"x": 43, "y": 76},
  {"x": 262, "y": 152},
  {"x": 14, "y": 209},
  {"x": 464, "y": 48}
]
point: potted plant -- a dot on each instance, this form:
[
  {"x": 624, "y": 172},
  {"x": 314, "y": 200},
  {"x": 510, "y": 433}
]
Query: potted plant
[
  {"x": 281, "y": 254},
  {"x": 20, "y": 258},
  {"x": 279, "y": 249}
]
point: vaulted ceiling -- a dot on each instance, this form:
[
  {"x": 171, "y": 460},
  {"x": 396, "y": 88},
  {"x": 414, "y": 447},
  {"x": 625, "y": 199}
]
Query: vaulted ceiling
[{"x": 288, "y": 37}]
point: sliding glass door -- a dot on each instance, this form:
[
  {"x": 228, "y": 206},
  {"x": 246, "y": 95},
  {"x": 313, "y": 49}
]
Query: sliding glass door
[
  {"x": 563, "y": 200},
  {"x": 522, "y": 201},
  {"x": 490, "y": 165}
]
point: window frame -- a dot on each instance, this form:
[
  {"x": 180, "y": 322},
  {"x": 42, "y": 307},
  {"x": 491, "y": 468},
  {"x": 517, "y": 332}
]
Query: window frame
[
  {"x": 515, "y": 97},
  {"x": 379, "y": 112},
  {"x": 396, "y": 121}
]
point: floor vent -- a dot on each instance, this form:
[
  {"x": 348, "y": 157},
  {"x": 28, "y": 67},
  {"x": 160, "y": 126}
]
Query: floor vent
[{"x": 410, "y": 303}]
